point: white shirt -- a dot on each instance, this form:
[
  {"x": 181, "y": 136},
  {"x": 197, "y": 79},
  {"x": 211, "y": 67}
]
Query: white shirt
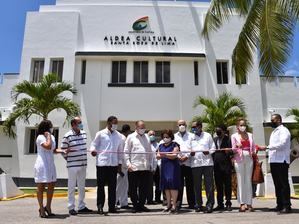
[
  {"x": 185, "y": 145},
  {"x": 109, "y": 148},
  {"x": 155, "y": 161},
  {"x": 138, "y": 152},
  {"x": 202, "y": 142},
  {"x": 280, "y": 145}
]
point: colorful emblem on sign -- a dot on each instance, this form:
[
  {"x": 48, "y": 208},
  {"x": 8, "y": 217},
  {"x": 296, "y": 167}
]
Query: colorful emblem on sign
[{"x": 140, "y": 24}]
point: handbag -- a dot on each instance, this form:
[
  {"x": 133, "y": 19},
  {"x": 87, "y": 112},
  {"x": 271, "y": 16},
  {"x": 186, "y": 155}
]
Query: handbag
[{"x": 257, "y": 173}]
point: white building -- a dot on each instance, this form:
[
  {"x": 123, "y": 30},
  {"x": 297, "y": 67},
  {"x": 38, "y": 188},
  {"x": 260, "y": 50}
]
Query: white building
[{"x": 135, "y": 60}]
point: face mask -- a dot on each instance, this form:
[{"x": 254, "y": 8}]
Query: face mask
[
  {"x": 51, "y": 130},
  {"x": 194, "y": 130},
  {"x": 182, "y": 128},
  {"x": 114, "y": 127},
  {"x": 80, "y": 126},
  {"x": 152, "y": 138},
  {"x": 274, "y": 125},
  {"x": 242, "y": 128},
  {"x": 141, "y": 131},
  {"x": 167, "y": 140},
  {"x": 219, "y": 133}
]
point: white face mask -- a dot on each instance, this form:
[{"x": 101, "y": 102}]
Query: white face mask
[
  {"x": 242, "y": 128},
  {"x": 182, "y": 128},
  {"x": 114, "y": 127},
  {"x": 167, "y": 140},
  {"x": 141, "y": 131}
]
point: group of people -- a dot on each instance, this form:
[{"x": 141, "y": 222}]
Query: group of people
[{"x": 129, "y": 163}]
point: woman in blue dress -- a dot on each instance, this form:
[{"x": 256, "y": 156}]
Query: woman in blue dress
[{"x": 170, "y": 170}]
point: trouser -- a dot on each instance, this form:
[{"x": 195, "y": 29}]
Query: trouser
[
  {"x": 223, "y": 181},
  {"x": 207, "y": 172},
  {"x": 187, "y": 180},
  {"x": 138, "y": 187},
  {"x": 244, "y": 179},
  {"x": 122, "y": 188},
  {"x": 106, "y": 174},
  {"x": 154, "y": 179},
  {"x": 280, "y": 172},
  {"x": 76, "y": 176}
]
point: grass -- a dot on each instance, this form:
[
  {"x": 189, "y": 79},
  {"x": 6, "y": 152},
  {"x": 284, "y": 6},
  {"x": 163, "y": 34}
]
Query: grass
[
  {"x": 33, "y": 190},
  {"x": 296, "y": 188}
]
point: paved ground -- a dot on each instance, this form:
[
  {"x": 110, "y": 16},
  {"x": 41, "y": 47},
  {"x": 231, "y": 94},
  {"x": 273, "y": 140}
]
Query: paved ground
[{"x": 25, "y": 211}]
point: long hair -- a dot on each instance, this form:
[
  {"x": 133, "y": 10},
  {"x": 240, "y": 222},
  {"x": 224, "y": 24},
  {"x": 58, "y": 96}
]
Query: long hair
[{"x": 44, "y": 126}]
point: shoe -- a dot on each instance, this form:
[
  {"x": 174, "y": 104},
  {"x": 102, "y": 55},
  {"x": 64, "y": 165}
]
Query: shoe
[
  {"x": 250, "y": 208},
  {"x": 200, "y": 209},
  {"x": 174, "y": 211},
  {"x": 112, "y": 210},
  {"x": 209, "y": 210},
  {"x": 135, "y": 210},
  {"x": 158, "y": 201},
  {"x": 150, "y": 203},
  {"x": 100, "y": 211},
  {"x": 167, "y": 209},
  {"x": 42, "y": 214},
  {"x": 242, "y": 208},
  {"x": 50, "y": 214},
  {"x": 276, "y": 209},
  {"x": 84, "y": 210},
  {"x": 125, "y": 207},
  {"x": 285, "y": 211},
  {"x": 228, "y": 208},
  {"x": 190, "y": 207},
  {"x": 219, "y": 208},
  {"x": 144, "y": 209},
  {"x": 72, "y": 212}
]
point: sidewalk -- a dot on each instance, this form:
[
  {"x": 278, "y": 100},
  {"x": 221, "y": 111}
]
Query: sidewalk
[{"x": 25, "y": 210}]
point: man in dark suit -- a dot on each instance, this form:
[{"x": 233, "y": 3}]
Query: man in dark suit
[{"x": 223, "y": 168}]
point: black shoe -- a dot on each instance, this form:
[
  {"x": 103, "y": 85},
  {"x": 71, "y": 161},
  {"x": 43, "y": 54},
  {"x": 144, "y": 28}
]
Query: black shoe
[
  {"x": 285, "y": 211},
  {"x": 219, "y": 208},
  {"x": 72, "y": 212},
  {"x": 125, "y": 207},
  {"x": 84, "y": 210},
  {"x": 200, "y": 209},
  {"x": 50, "y": 214},
  {"x": 158, "y": 201},
  {"x": 112, "y": 210},
  {"x": 100, "y": 211},
  {"x": 276, "y": 209},
  {"x": 190, "y": 207},
  {"x": 135, "y": 210},
  {"x": 228, "y": 208},
  {"x": 42, "y": 215},
  {"x": 144, "y": 209},
  {"x": 151, "y": 203},
  {"x": 174, "y": 211},
  {"x": 209, "y": 210}
]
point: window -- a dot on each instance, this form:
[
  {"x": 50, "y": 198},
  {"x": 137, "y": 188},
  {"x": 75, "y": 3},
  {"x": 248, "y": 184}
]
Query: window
[
  {"x": 162, "y": 72},
  {"x": 32, "y": 140},
  {"x": 140, "y": 72},
  {"x": 57, "y": 68},
  {"x": 119, "y": 70},
  {"x": 222, "y": 72},
  {"x": 83, "y": 72},
  {"x": 241, "y": 80},
  {"x": 38, "y": 70},
  {"x": 196, "y": 73}
]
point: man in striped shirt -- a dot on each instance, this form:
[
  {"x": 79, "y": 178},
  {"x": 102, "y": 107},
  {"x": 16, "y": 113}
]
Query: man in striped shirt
[{"x": 74, "y": 142}]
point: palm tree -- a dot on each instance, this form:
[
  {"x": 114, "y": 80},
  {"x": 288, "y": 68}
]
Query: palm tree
[
  {"x": 40, "y": 99},
  {"x": 269, "y": 27},
  {"x": 294, "y": 128},
  {"x": 225, "y": 109}
]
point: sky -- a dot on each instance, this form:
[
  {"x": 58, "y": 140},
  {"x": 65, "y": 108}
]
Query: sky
[{"x": 12, "y": 24}]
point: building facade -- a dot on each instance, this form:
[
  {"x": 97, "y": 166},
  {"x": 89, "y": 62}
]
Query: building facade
[{"x": 135, "y": 60}]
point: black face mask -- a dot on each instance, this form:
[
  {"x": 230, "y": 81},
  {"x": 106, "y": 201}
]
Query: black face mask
[
  {"x": 274, "y": 125},
  {"x": 219, "y": 133}
]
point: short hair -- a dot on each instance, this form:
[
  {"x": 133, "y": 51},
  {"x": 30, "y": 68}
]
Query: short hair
[
  {"x": 241, "y": 119},
  {"x": 222, "y": 127},
  {"x": 168, "y": 132},
  {"x": 136, "y": 123},
  {"x": 74, "y": 121},
  {"x": 198, "y": 123},
  {"x": 277, "y": 116},
  {"x": 125, "y": 128},
  {"x": 111, "y": 118},
  {"x": 44, "y": 126}
]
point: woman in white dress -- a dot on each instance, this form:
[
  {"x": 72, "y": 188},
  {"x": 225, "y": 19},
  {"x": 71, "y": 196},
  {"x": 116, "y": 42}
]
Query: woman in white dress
[{"x": 44, "y": 168}]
